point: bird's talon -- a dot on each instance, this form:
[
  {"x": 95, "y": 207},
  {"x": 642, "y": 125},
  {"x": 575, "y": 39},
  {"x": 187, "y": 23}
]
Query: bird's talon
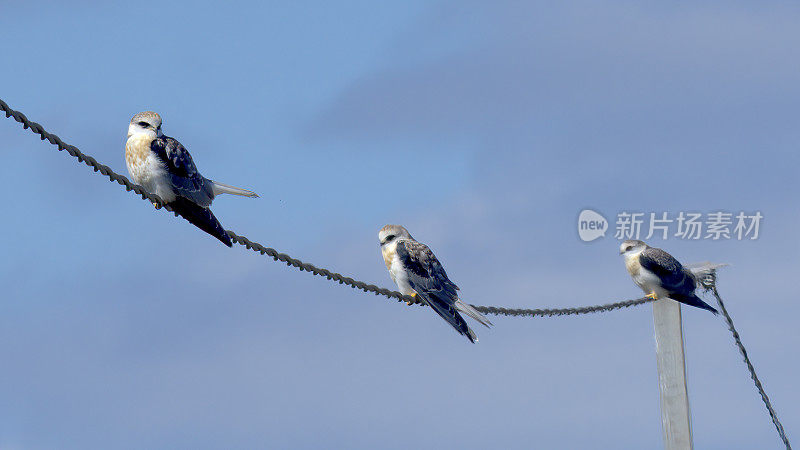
[{"x": 652, "y": 295}]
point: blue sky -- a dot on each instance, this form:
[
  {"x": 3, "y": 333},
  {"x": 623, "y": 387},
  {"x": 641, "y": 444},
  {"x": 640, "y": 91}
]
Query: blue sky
[{"x": 484, "y": 128}]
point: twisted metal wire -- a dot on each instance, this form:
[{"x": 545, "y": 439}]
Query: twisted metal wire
[
  {"x": 355, "y": 284},
  {"x": 82, "y": 157},
  {"x": 277, "y": 256},
  {"x": 576, "y": 311},
  {"x": 341, "y": 279},
  {"x": 708, "y": 284},
  {"x": 738, "y": 340}
]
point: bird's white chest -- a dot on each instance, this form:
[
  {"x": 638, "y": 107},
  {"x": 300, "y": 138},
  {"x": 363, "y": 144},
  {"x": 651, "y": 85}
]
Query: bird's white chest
[
  {"x": 398, "y": 273},
  {"x": 646, "y": 280},
  {"x": 146, "y": 169}
]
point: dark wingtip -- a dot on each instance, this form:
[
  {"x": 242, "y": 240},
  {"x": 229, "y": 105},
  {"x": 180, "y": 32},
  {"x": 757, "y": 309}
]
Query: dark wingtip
[
  {"x": 705, "y": 305},
  {"x": 449, "y": 313},
  {"x": 202, "y": 218},
  {"x": 471, "y": 338},
  {"x": 694, "y": 300}
]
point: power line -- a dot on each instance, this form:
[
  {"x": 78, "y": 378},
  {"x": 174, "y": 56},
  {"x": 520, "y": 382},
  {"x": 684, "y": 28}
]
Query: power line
[
  {"x": 277, "y": 256},
  {"x": 341, "y": 279},
  {"x": 738, "y": 340},
  {"x": 708, "y": 284}
]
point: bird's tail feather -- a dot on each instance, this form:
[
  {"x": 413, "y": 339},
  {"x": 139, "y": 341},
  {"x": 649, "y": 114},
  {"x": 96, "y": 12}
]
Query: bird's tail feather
[
  {"x": 219, "y": 188},
  {"x": 202, "y": 218},
  {"x": 448, "y": 313},
  {"x": 693, "y": 300},
  {"x": 469, "y": 310}
]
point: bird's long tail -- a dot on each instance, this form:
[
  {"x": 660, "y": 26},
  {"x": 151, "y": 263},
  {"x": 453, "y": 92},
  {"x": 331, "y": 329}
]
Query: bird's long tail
[
  {"x": 202, "y": 218},
  {"x": 449, "y": 313},
  {"x": 693, "y": 300},
  {"x": 219, "y": 188},
  {"x": 467, "y": 309}
]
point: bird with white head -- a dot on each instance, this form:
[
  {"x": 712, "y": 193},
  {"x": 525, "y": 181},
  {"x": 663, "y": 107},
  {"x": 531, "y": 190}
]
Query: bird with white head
[{"x": 162, "y": 166}]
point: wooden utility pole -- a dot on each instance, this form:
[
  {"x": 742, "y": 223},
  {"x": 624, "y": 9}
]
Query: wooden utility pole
[{"x": 676, "y": 420}]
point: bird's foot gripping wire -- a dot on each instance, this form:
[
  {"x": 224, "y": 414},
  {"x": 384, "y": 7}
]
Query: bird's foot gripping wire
[
  {"x": 414, "y": 295},
  {"x": 652, "y": 295}
]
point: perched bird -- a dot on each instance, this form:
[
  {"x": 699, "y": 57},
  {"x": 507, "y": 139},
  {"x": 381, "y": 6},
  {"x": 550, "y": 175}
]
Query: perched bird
[
  {"x": 660, "y": 275},
  {"x": 162, "y": 166},
  {"x": 417, "y": 272}
]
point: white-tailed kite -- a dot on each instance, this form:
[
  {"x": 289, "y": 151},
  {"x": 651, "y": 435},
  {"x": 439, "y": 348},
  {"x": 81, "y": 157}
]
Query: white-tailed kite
[
  {"x": 415, "y": 269},
  {"x": 660, "y": 275},
  {"x": 162, "y": 166}
]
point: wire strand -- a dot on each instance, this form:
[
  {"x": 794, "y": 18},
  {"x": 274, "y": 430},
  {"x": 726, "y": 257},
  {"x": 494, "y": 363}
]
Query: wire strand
[
  {"x": 738, "y": 340},
  {"x": 708, "y": 284},
  {"x": 341, "y": 279},
  {"x": 277, "y": 256}
]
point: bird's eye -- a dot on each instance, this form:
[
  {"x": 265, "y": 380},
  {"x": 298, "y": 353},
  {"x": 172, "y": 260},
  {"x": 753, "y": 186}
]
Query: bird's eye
[
  {"x": 144, "y": 124},
  {"x": 628, "y": 248},
  {"x": 389, "y": 238}
]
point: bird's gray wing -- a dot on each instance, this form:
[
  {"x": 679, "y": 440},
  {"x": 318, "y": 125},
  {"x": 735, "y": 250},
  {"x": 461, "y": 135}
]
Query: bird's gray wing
[
  {"x": 428, "y": 278},
  {"x": 674, "y": 277},
  {"x": 186, "y": 180},
  {"x": 425, "y": 271}
]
